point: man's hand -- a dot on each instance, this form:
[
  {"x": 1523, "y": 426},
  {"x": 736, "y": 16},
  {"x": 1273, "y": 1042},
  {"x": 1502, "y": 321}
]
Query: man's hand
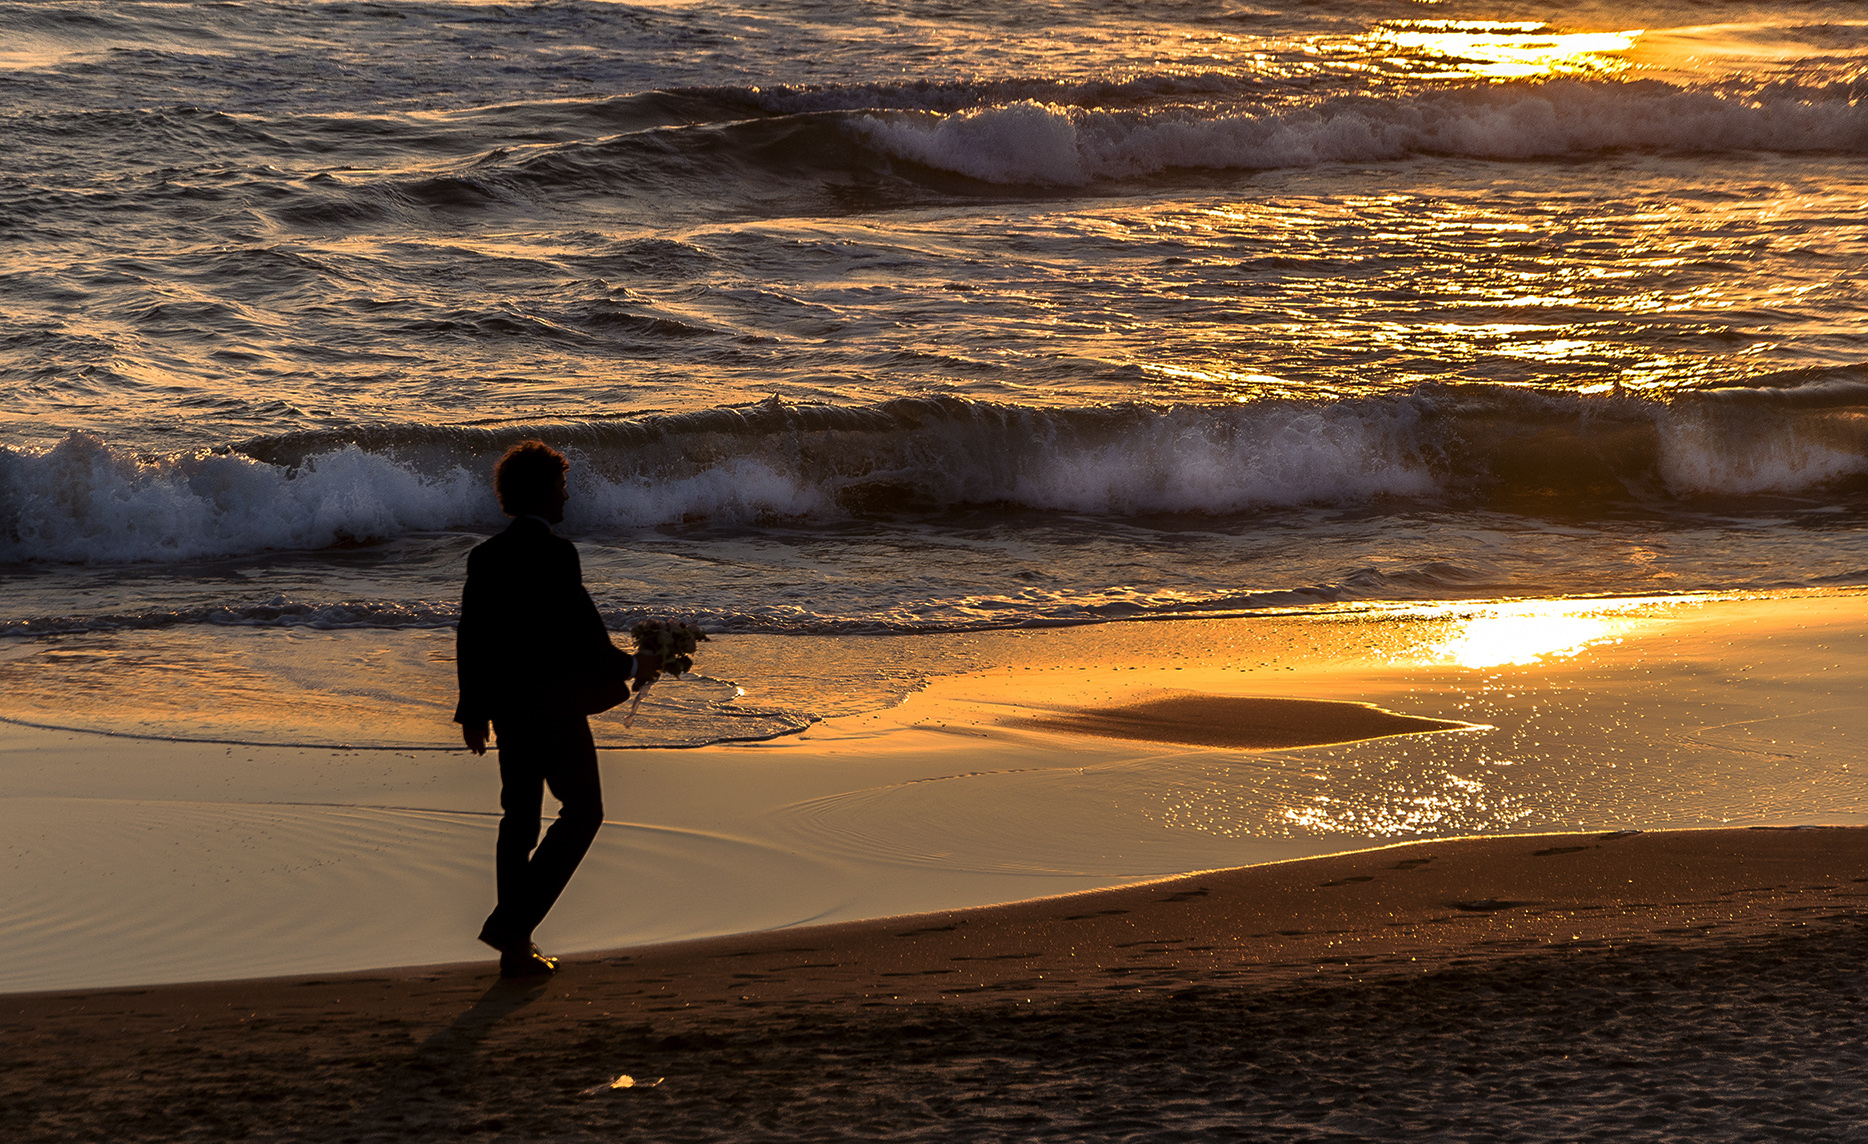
[
  {"x": 648, "y": 668},
  {"x": 474, "y": 734}
]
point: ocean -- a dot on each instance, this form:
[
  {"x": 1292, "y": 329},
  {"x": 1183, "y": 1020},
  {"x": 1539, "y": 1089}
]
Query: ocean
[{"x": 924, "y": 317}]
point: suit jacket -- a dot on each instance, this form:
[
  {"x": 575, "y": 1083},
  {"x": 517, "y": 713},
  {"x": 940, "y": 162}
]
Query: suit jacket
[{"x": 530, "y": 636}]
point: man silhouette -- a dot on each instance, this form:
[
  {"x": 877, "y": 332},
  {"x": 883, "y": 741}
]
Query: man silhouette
[{"x": 530, "y": 648}]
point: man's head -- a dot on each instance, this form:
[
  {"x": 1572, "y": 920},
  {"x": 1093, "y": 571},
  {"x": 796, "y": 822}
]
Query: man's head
[{"x": 529, "y": 481}]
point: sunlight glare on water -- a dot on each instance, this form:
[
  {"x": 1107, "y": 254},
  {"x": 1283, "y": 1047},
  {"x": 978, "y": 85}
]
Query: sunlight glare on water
[
  {"x": 1529, "y": 631},
  {"x": 1496, "y": 50},
  {"x": 1758, "y": 49}
]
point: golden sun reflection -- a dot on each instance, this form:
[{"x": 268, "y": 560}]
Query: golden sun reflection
[
  {"x": 1523, "y": 633},
  {"x": 1755, "y": 48},
  {"x": 1192, "y": 374},
  {"x": 1504, "y": 50}
]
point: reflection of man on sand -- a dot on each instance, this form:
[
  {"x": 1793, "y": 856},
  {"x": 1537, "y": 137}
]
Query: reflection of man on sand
[{"x": 531, "y": 648}]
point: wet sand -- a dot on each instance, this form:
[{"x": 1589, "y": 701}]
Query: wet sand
[
  {"x": 1547, "y": 987},
  {"x": 1537, "y": 985},
  {"x": 1242, "y": 722}
]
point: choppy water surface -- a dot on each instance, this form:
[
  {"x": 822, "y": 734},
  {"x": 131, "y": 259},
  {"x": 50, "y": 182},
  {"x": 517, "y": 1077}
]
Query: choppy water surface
[{"x": 918, "y": 316}]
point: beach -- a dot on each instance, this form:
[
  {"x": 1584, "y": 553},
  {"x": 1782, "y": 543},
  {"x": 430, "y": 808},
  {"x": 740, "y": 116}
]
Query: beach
[
  {"x": 1544, "y": 987},
  {"x": 1272, "y": 570},
  {"x": 1522, "y": 982},
  {"x": 143, "y": 861}
]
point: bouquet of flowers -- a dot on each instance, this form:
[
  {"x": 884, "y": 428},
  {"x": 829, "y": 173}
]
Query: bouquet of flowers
[{"x": 673, "y": 642}]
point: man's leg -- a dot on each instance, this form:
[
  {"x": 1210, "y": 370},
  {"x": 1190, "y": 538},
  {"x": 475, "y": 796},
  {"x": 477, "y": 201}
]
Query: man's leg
[
  {"x": 575, "y": 782},
  {"x": 531, "y": 754},
  {"x": 521, "y": 795}
]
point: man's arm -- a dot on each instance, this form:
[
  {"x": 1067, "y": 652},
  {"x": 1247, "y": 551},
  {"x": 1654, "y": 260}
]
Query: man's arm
[
  {"x": 470, "y": 664},
  {"x": 585, "y": 626}
]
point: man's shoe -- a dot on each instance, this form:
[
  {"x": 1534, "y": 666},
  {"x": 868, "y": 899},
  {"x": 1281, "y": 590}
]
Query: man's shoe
[{"x": 526, "y": 963}]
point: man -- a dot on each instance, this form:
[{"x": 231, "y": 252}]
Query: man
[{"x": 531, "y": 646}]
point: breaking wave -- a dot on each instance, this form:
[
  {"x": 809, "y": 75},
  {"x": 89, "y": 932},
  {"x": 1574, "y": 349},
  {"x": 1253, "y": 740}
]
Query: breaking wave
[
  {"x": 1033, "y": 142},
  {"x": 1563, "y": 454},
  {"x": 776, "y": 151}
]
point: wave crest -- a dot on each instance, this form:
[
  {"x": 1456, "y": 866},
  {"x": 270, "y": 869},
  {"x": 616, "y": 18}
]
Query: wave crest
[
  {"x": 1051, "y": 144},
  {"x": 83, "y": 501}
]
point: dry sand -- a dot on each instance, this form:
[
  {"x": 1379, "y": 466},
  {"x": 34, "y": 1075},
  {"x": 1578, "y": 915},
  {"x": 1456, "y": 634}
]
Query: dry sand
[{"x": 1703, "y": 985}]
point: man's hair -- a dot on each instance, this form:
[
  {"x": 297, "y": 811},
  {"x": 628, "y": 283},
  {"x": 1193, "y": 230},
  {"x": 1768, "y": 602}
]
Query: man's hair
[{"x": 526, "y": 476}]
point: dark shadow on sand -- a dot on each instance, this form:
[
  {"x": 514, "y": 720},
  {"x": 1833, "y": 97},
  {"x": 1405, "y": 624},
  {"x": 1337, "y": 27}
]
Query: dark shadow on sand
[{"x": 438, "y": 1082}]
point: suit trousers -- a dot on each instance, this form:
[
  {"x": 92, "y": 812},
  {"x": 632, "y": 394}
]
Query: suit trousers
[{"x": 535, "y": 752}]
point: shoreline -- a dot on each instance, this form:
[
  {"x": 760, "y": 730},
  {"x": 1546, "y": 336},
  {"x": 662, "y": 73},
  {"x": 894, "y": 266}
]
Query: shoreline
[
  {"x": 1032, "y": 764},
  {"x": 1486, "y": 885}
]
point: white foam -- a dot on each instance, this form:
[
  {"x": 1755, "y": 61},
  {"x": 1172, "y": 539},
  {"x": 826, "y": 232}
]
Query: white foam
[
  {"x": 1738, "y": 456},
  {"x": 1047, "y": 144},
  {"x": 83, "y": 501},
  {"x": 1191, "y": 463},
  {"x": 1020, "y": 143},
  {"x": 739, "y": 490},
  {"x": 86, "y": 502}
]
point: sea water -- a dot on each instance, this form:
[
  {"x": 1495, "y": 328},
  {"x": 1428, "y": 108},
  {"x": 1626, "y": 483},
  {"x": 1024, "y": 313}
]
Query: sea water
[
  {"x": 905, "y": 319},
  {"x": 867, "y": 318}
]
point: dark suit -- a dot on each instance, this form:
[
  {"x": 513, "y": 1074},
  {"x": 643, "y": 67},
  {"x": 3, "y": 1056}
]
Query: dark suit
[{"x": 530, "y": 639}]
